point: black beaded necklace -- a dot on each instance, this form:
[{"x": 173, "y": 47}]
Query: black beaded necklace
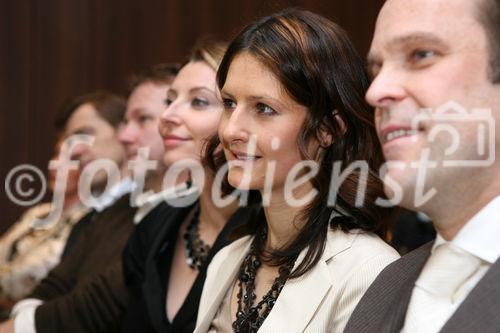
[
  {"x": 249, "y": 318},
  {"x": 196, "y": 250}
]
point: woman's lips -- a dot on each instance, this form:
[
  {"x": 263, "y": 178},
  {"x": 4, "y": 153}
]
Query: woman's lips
[
  {"x": 237, "y": 158},
  {"x": 174, "y": 140}
]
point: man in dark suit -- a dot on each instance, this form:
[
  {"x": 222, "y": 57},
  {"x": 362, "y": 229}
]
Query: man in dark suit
[{"x": 435, "y": 63}]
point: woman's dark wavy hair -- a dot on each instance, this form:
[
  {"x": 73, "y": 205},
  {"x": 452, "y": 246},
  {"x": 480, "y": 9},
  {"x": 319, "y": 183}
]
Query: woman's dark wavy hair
[{"x": 319, "y": 68}]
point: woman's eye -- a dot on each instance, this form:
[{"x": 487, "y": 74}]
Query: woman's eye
[
  {"x": 144, "y": 118},
  {"x": 168, "y": 101},
  {"x": 199, "y": 102},
  {"x": 265, "y": 109},
  {"x": 228, "y": 104}
]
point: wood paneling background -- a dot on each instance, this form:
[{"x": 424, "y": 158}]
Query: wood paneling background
[{"x": 55, "y": 49}]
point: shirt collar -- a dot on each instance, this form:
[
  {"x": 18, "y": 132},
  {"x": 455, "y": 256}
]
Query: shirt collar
[
  {"x": 480, "y": 235},
  {"x": 126, "y": 185},
  {"x": 148, "y": 201},
  {"x": 439, "y": 241}
]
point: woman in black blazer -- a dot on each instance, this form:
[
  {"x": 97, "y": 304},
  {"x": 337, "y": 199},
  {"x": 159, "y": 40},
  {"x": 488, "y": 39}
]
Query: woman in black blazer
[{"x": 167, "y": 255}]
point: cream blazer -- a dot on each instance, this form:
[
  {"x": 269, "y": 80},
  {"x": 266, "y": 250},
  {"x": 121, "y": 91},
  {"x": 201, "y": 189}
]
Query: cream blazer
[{"x": 319, "y": 301}]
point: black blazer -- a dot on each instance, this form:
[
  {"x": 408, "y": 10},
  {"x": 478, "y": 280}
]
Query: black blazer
[
  {"x": 384, "y": 305},
  {"x": 147, "y": 260}
]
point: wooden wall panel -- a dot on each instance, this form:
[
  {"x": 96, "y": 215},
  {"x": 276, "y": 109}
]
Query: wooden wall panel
[{"x": 52, "y": 50}]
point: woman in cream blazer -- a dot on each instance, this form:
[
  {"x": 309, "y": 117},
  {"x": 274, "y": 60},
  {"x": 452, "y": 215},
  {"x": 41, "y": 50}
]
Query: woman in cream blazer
[
  {"x": 298, "y": 134},
  {"x": 324, "y": 297}
]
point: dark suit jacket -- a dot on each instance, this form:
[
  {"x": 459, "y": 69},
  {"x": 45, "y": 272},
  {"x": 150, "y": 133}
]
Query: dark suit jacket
[
  {"x": 147, "y": 259},
  {"x": 76, "y": 296},
  {"x": 384, "y": 305}
]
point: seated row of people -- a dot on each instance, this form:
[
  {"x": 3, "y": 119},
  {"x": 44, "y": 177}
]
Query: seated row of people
[{"x": 257, "y": 140}]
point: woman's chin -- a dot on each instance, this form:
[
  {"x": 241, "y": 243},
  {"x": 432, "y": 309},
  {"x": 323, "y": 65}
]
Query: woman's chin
[{"x": 240, "y": 183}]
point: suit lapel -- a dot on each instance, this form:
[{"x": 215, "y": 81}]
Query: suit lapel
[
  {"x": 310, "y": 289},
  {"x": 153, "y": 286},
  {"x": 189, "y": 310},
  {"x": 397, "y": 310},
  {"x": 383, "y": 307},
  {"x": 227, "y": 275},
  {"x": 479, "y": 311},
  {"x": 404, "y": 283}
]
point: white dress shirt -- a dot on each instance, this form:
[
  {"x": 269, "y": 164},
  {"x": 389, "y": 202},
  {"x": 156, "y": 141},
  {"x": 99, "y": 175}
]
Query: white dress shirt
[
  {"x": 479, "y": 238},
  {"x": 124, "y": 186},
  {"x": 149, "y": 200}
]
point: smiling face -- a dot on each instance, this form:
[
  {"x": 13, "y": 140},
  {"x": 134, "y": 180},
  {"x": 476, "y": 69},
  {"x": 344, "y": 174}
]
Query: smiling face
[
  {"x": 258, "y": 114},
  {"x": 424, "y": 54},
  {"x": 192, "y": 114},
  {"x": 144, "y": 107}
]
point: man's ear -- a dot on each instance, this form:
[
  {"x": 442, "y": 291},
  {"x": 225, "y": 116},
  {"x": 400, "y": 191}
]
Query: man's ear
[{"x": 325, "y": 136}]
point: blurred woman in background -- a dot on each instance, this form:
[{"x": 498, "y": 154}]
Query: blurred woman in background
[{"x": 166, "y": 258}]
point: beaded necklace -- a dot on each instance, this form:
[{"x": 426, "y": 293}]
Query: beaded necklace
[
  {"x": 249, "y": 318},
  {"x": 196, "y": 250}
]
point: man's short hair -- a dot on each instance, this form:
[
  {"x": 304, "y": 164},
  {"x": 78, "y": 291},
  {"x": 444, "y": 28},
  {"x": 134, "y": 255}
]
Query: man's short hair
[
  {"x": 109, "y": 106},
  {"x": 158, "y": 74},
  {"x": 489, "y": 17}
]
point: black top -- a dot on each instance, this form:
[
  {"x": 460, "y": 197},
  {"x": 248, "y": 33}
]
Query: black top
[{"x": 147, "y": 261}]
